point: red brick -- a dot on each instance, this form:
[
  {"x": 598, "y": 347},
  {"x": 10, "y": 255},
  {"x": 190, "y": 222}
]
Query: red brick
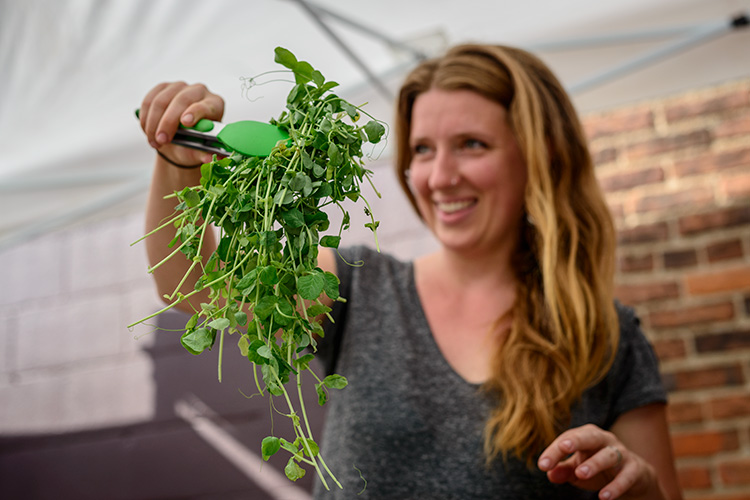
[
  {"x": 692, "y": 315},
  {"x": 724, "y": 250},
  {"x": 695, "y": 108},
  {"x": 669, "y": 144},
  {"x": 685, "y": 412},
  {"x": 703, "y": 443},
  {"x": 634, "y": 263},
  {"x": 704, "y": 378},
  {"x": 692, "y": 198},
  {"x": 603, "y": 156},
  {"x": 628, "y": 180},
  {"x": 646, "y": 292},
  {"x": 669, "y": 349},
  {"x": 718, "y": 281},
  {"x": 730, "y": 407},
  {"x": 625, "y": 120},
  {"x": 727, "y": 341},
  {"x": 735, "y": 472},
  {"x": 645, "y": 233},
  {"x": 712, "y": 162},
  {"x": 680, "y": 258},
  {"x": 719, "y": 219},
  {"x": 694, "y": 478},
  {"x": 737, "y": 187},
  {"x": 729, "y": 128}
]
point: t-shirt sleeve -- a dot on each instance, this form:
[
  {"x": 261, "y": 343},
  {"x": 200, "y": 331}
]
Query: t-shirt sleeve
[{"x": 634, "y": 379}]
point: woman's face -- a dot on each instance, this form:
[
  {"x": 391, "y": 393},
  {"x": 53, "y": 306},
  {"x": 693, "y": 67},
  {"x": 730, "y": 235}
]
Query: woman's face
[{"x": 467, "y": 172}]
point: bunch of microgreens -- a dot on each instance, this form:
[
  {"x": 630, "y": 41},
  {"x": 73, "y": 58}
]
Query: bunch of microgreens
[{"x": 269, "y": 212}]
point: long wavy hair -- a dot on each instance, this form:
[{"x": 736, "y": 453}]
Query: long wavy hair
[{"x": 564, "y": 327}]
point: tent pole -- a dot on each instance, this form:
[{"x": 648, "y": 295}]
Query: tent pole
[{"x": 371, "y": 76}]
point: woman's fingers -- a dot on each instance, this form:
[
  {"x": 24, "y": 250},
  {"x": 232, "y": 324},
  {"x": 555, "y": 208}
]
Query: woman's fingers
[{"x": 168, "y": 105}]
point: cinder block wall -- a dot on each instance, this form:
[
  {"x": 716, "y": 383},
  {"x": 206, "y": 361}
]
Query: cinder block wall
[{"x": 677, "y": 176}]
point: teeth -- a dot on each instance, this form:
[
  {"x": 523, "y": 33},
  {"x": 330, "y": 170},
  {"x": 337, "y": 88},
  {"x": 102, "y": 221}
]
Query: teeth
[{"x": 454, "y": 206}]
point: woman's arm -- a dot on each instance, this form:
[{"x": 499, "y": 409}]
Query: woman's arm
[
  {"x": 163, "y": 109},
  {"x": 634, "y": 460}
]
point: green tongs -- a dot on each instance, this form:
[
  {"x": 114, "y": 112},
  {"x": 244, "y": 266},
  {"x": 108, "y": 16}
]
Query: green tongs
[{"x": 248, "y": 137}]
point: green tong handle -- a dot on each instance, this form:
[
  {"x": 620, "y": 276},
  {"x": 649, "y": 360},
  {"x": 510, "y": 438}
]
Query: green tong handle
[{"x": 203, "y": 124}]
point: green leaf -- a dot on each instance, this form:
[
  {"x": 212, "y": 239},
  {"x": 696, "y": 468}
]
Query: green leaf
[
  {"x": 252, "y": 352},
  {"x": 335, "y": 155},
  {"x": 247, "y": 280},
  {"x": 243, "y": 344},
  {"x": 192, "y": 199},
  {"x": 374, "y": 131},
  {"x": 241, "y": 318},
  {"x": 293, "y": 217},
  {"x": 300, "y": 182},
  {"x": 197, "y": 341},
  {"x": 293, "y": 471},
  {"x": 314, "y": 449},
  {"x": 322, "y": 394},
  {"x": 219, "y": 324},
  {"x": 331, "y": 286},
  {"x": 317, "y": 309},
  {"x": 269, "y": 446},
  {"x": 351, "y": 111},
  {"x": 269, "y": 276},
  {"x": 285, "y": 57},
  {"x": 330, "y": 241},
  {"x": 303, "y": 72},
  {"x": 265, "y": 306},
  {"x": 265, "y": 352},
  {"x": 335, "y": 381},
  {"x": 303, "y": 361},
  {"x": 310, "y": 286},
  {"x": 318, "y": 78}
]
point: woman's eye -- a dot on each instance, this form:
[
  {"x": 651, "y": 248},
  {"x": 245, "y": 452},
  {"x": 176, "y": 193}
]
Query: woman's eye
[
  {"x": 474, "y": 144},
  {"x": 420, "y": 149}
]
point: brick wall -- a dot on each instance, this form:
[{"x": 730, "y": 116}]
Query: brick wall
[{"x": 677, "y": 176}]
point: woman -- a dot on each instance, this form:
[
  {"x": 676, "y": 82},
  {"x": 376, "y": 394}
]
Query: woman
[{"x": 498, "y": 366}]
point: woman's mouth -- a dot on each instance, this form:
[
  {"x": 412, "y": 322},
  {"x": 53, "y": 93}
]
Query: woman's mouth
[{"x": 451, "y": 207}]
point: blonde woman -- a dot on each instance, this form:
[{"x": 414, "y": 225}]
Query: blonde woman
[{"x": 499, "y": 366}]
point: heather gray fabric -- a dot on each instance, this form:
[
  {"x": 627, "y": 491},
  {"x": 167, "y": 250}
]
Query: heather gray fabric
[{"x": 410, "y": 423}]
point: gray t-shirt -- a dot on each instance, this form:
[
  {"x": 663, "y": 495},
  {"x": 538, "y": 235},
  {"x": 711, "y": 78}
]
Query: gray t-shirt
[{"x": 410, "y": 424}]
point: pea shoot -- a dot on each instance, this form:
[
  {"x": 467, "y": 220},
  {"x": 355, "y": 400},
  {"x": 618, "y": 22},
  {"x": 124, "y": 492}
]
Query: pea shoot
[{"x": 271, "y": 221}]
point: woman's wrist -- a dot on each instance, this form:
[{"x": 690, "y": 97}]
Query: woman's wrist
[{"x": 176, "y": 164}]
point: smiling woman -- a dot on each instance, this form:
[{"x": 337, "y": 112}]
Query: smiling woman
[{"x": 500, "y": 365}]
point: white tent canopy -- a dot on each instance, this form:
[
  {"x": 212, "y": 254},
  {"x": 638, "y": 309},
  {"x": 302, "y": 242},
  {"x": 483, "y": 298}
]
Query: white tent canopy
[{"x": 73, "y": 71}]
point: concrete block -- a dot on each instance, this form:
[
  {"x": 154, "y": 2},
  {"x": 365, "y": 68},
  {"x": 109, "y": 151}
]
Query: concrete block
[
  {"x": 86, "y": 396},
  {"x": 33, "y": 270},
  {"x": 100, "y": 255},
  {"x": 66, "y": 332}
]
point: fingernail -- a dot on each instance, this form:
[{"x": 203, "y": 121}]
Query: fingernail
[
  {"x": 567, "y": 445},
  {"x": 162, "y": 138},
  {"x": 154, "y": 144},
  {"x": 188, "y": 119},
  {"x": 544, "y": 463},
  {"x": 606, "y": 494},
  {"x": 583, "y": 471}
]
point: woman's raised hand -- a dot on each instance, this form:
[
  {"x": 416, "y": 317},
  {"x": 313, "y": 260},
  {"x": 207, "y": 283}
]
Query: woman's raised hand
[
  {"x": 593, "y": 459},
  {"x": 169, "y": 104}
]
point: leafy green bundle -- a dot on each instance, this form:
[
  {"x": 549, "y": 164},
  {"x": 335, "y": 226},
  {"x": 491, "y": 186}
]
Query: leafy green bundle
[{"x": 269, "y": 212}]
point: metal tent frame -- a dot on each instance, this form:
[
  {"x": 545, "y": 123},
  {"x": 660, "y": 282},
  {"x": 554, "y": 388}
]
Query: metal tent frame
[{"x": 136, "y": 182}]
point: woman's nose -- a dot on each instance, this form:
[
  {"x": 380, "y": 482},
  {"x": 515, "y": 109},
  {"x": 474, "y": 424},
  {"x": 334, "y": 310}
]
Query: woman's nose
[{"x": 444, "y": 171}]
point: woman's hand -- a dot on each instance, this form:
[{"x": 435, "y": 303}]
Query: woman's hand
[
  {"x": 593, "y": 459},
  {"x": 169, "y": 104}
]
